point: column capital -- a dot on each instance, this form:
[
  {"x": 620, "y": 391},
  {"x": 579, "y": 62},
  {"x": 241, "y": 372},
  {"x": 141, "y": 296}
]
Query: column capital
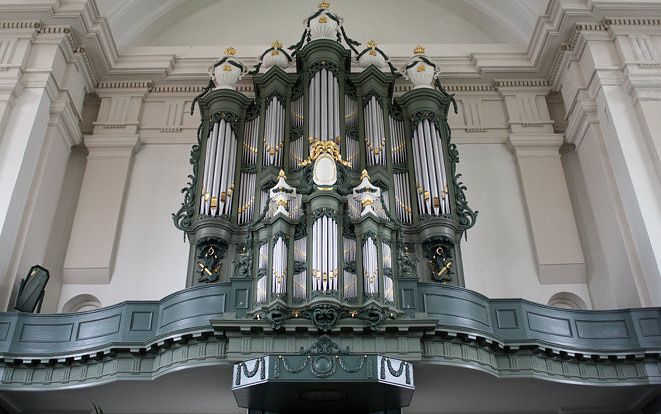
[
  {"x": 535, "y": 144},
  {"x": 112, "y": 146}
]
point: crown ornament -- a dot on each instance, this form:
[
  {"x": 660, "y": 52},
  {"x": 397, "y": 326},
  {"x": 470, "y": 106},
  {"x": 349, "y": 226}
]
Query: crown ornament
[
  {"x": 230, "y": 51},
  {"x": 419, "y": 50},
  {"x": 324, "y": 5}
]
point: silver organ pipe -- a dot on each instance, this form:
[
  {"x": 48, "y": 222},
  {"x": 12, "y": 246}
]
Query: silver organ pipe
[
  {"x": 388, "y": 286},
  {"x": 247, "y": 197},
  {"x": 295, "y": 207},
  {"x": 402, "y": 197},
  {"x": 274, "y": 131},
  {"x": 350, "y": 278},
  {"x": 431, "y": 180},
  {"x": 438, "y": 150},
  {"x": 219, "y": 167},
  {"x": 263, "y": 200},
  {"x": 261, "y": 290},
  {"x": 375, "y": 138},
  {"x": 279, "y": 280},
  {"x": 250, "y": 134},
  {"x": 297, "y": 145},
  {"x": 351, "y": 122},
  {"x": 370, "y": 267},
  {"x": 336, "y": 107},
  {"x": 263, "y": 264},
  {"x": 300, "y": 279},
  {"x": 398, "y": 141},
  {"x": 324, "y": 254},
  {"x": 324, "y": 107}
]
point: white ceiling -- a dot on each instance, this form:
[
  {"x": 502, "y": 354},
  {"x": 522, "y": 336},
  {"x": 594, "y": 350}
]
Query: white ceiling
[{"x": 253, "y": 22}]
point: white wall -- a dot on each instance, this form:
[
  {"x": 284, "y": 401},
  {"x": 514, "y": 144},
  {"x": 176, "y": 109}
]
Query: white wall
[
  {"x": 152, "y": 256},
  {"x": 498, "y": 257}
]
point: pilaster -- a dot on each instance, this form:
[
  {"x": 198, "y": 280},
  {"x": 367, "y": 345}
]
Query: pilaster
[
  {"x": 614, "y": 65},
  {"x": 42, "y": 83},
  {"x": 91, "y": 253},
  {"x": 536, "y": 147}
]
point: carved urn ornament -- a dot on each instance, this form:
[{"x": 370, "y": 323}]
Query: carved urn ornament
[
  {"x": 421, "y": 71},
  {"x": 324, "y": 196},
  {"x": 372, "y": 55},
  {"x": 324, "y": 24},
  {"x": 274, "y": 56},
  {"x": 227, "y": 71}
]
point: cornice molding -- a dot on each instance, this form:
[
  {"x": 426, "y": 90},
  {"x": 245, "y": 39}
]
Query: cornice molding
[{"x": 124, "y": 84}]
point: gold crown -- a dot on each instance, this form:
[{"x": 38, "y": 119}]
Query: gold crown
[
  {"x": 419, "y": 50},
  {"x": 371, "y": 44},
  {"x": 324, "y": 5},
  {"x": 276, "y": 44},
  {"x": 230, "y": 51}
]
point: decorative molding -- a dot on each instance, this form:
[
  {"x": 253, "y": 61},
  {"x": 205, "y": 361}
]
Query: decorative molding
[
  {"x": 19, "y": 24},
  {"x": 631, "y": 21},
  {"x": 124, "y": 84},
  {"x": 521, "y": 83},
  {"x": 176, "y": 89}
]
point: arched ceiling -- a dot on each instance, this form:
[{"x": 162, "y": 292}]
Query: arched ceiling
[{"x": 252, "y": 22}]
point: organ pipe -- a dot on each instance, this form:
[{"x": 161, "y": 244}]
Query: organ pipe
[
  {"x": 219, "y": 167},
  {"x": 246, "y": 197},
  {"x": 430, "y": 172},
  {"x": 250, "y": 134},
  {"x": 279, "y": 280},
  {"x": 370, "y": 267},
  {"x": 375, "y": 138},
  {"x": 324, "y": 107},
  {"x": 274, "y": 131},
  {"x": 324, "y": 254},
  {"x": 398, "y": 139},
  {"x": 297, "y": 145}
]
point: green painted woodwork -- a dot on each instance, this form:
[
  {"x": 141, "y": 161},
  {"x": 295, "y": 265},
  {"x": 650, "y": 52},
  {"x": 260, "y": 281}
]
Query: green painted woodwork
[{"x": 204, "y": 325}]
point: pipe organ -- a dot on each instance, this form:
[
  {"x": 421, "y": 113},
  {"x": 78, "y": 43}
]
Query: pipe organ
[{"x": 322, "y": 190}]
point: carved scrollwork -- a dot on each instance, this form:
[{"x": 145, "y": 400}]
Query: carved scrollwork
[
  {"x": 183, "y": 218},
  {"x": 229, "y": 117},
  {"x": 243, "y": 264},
  {"x": 465, "y": 215}
]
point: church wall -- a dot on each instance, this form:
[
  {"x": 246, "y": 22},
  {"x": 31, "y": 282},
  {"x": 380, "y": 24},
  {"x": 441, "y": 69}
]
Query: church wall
[
  {"x": 498, "y": 255},
  {"x": 151, "y": 254}
]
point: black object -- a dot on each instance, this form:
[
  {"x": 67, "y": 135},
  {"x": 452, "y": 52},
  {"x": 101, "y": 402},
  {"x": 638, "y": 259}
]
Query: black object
[{"x": 32, "y": 289}]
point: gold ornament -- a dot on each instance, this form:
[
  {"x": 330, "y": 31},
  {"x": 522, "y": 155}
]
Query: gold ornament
[
  {"x": 324, "y": 147},
  {"x": 324, "y": 5},
  {"x": 419, "y": 50},
  {"x": 230, "y": 51}
]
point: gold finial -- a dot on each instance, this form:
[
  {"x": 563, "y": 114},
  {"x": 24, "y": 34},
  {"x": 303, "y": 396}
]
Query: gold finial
[
  {"x": 230, "y": 51},
  {"x": 276, "y": 44},
  {"x": 281, "y": 174},
  {"x": 364, "y": 175},
  {"x": 419, "y": 50},
  {"x": 324, "y": 5},
  {"x": 371, "y": 44}
]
